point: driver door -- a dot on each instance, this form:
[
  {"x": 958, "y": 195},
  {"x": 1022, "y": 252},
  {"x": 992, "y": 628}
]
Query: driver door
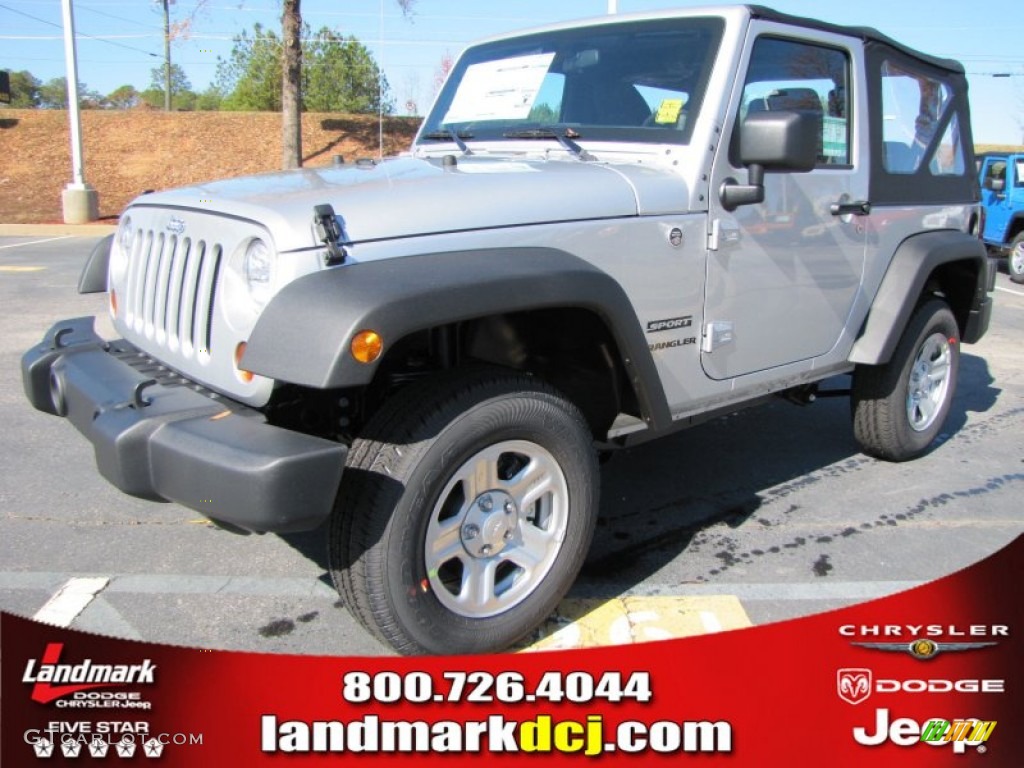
[{"x": 782, "y": 275}]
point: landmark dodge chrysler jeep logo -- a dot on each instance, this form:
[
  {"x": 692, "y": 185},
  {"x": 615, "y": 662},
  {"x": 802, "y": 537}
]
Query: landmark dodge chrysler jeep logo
[{"x": 79, "y": 677}]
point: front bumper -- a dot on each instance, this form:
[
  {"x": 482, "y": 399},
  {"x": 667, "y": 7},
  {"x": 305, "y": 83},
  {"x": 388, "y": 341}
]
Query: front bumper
[{"x": 166, "y": 441}]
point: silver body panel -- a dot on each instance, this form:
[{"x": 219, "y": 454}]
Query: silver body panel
[{"x": 792, "y": 297}]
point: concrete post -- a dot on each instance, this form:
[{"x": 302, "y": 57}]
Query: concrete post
[{"x": 80, "y": 201}]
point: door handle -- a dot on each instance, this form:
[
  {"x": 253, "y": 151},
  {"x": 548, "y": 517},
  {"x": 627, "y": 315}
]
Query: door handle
[{"x": 858, "y": 208}]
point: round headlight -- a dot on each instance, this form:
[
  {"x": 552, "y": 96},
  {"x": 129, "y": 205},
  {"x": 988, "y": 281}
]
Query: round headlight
[
  {"x": 259, "y": 270},
  {"x": 125, "y": 235}
]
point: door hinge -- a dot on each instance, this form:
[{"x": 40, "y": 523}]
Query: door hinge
[{"x": 717, "y": 334}]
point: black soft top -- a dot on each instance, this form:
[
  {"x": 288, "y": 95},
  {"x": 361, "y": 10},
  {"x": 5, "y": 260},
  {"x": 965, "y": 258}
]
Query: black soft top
[{"x": 864, "y": 33}]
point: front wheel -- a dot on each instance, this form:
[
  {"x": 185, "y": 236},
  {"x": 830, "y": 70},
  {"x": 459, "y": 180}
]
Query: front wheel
[
  {"x": 1015, "y": 262},
  {"x": 465, "y": 512},
  {"x": 900, "y": 407}
]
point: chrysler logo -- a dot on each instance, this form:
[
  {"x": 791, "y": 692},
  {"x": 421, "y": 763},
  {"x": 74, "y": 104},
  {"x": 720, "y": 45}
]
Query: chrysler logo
[
  {"x": 175, "y": 225},
  {"x": 853, "y": 685},
  {"x": 923, "y": 648}
]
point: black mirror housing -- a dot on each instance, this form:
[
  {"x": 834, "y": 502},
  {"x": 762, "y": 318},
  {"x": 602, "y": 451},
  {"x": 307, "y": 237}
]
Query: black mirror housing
[
  {"x": 773, "y": 141},
  {"x": 781, "y": 141}
]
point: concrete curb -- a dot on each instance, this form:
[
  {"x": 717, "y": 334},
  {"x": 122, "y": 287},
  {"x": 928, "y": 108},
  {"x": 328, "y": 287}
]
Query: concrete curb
[{"x": 55, "y": 230}]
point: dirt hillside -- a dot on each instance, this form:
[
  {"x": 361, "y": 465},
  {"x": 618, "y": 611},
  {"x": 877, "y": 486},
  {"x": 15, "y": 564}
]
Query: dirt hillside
[{"x": 128, "y": 152}]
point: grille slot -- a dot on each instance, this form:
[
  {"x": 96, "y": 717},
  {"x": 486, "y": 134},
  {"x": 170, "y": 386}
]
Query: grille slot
[{"x": 173, "y": 285}]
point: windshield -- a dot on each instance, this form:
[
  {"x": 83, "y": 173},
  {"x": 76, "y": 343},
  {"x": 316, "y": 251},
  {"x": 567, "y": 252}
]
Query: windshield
[{"x": 634, "y": 81}]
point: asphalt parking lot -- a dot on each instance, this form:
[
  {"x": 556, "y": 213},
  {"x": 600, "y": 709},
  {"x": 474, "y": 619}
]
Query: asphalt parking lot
[{"x": 765, "y": 515}]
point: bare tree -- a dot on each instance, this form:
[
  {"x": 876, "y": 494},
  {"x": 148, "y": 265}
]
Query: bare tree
[
  {"x": 175, "y": 30},
  {"x": 443, "y": 68},
  {"x": 291, "y": 86}
]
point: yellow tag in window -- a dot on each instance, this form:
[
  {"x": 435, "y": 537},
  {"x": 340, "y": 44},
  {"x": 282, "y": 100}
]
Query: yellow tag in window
[{"x": 669, "y": 111}]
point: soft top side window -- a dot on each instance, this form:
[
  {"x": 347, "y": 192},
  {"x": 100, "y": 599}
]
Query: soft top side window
[
  {"x": 920, "y": 132},
  {"x": 914, "y": 107}
]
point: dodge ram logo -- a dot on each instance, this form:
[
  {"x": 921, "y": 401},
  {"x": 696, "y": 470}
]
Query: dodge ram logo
[{"x": 853, "y": 685}]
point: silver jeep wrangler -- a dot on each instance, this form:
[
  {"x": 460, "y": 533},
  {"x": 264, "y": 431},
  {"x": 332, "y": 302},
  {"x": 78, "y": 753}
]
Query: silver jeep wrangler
[{"x": 605, "y": 231}]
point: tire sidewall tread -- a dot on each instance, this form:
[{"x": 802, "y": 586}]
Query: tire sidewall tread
[
  {"x": 393, "y": 476},
  {"x": 878, "y": 401}
]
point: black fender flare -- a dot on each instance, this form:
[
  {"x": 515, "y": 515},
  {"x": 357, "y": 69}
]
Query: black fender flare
[
  {"x": 912, "y": 264},
  {"x": 94, "y": 274},
  {"x": 304, "y": 333}
]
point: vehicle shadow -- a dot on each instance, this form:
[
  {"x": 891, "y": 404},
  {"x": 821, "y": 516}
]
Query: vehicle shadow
[{"x": 656, "y": 498}]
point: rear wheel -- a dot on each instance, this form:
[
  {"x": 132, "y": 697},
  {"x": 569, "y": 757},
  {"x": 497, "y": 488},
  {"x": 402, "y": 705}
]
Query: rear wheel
[
  {"x": 900, "y": 407},
  {"x": 1015, "y": 262},
  {"x": 465, "y": 513}
]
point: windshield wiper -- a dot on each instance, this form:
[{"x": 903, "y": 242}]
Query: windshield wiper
[
  {"x": 452, "y": 135},
  {"x": 565, "y": 139}
]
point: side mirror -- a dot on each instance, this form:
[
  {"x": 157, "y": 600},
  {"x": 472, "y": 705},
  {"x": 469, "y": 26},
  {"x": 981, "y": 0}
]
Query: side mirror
[
  {"x": 996, "y": 185},
  {"x": 772, "y": 141}
]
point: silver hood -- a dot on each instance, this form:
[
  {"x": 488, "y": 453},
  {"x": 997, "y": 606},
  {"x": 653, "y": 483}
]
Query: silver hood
[{"x": 406, "y": 197}]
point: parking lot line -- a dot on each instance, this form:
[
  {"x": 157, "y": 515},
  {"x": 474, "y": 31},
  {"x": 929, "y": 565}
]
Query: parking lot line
[
  {"x": 70, "y": 600},
  {"x": 1007, "y": 290},
  {"x": 21, "y": 269},
  {"x": 35, "y": 242},
  {"x": 589, "y": 623}
]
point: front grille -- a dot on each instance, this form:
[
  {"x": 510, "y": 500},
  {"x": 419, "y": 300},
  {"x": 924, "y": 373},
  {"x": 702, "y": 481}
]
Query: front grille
[{"x": 171, "y": 286}]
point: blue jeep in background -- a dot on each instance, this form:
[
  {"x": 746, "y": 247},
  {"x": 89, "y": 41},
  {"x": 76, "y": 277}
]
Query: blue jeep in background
[{"x": 1002, "y": 195}]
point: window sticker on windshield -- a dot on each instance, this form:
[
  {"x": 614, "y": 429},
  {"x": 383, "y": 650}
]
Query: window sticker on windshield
[
  {"x": 669, "y": 111},
  {"x": 499, "y": 90}
]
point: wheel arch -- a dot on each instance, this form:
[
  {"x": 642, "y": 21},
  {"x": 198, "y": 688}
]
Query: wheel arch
[
  {"x": 571, "y": 348},
  {"x": 1015, "y": 227},
  {"x": 545, "y": 300},
  {"x": 948, "y": 263}
]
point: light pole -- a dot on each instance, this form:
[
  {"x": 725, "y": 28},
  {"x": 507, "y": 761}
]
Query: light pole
[
  {"x": 80, "y": 201},
  {"x": 613, "y": 7}
]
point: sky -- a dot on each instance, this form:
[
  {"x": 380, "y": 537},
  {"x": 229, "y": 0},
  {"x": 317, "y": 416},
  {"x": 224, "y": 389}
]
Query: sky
[{"x": 120, "y": 41}]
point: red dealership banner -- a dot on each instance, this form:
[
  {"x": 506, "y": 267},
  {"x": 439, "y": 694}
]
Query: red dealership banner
[{"x": 929, "y": 677}]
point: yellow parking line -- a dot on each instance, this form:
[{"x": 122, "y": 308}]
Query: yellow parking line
[
  {"x": 21, "y": 269},
  {"x": 627, "y": 620}
]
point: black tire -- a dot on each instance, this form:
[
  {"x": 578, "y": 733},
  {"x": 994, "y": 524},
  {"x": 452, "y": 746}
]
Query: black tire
[
  {"x": 888, "y": 422},
  {"x": 407, "y": 496},
  {"x": 1015, "y": 259}
]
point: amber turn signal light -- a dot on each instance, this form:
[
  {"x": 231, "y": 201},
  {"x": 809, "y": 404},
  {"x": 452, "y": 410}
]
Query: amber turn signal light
[
  {"x": 367, "y": 346},
  {"x": 244, "y": 375}
]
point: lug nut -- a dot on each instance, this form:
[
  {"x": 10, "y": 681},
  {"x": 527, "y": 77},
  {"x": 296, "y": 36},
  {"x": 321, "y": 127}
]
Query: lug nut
[
  {"x": 470, "y": 531},
  {"x": 510, "y": 508},
  {"x": 507, "y": 536},
  {"x": 485, "y": 549},
  {"x": 486, "y": 503}
]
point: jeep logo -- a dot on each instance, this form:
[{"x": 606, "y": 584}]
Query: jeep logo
[{"x": 175, "y": 225}]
